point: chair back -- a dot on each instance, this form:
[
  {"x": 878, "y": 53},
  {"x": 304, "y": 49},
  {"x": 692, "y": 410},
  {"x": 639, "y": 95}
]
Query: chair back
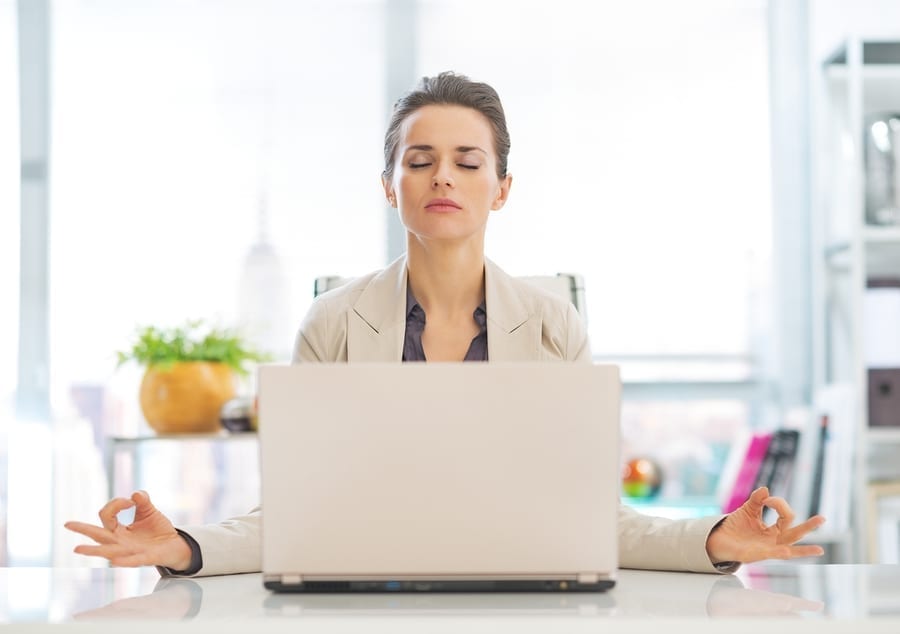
[{"x": 569, "y": 286}]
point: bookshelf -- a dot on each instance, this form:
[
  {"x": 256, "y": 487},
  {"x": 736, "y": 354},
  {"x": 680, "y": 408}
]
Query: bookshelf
[{"x": 859, "y": 79}]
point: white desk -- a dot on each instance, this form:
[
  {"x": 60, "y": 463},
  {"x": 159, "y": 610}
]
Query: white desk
[{"x": 824, "y": 597}]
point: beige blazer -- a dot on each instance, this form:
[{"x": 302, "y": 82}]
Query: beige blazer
[{"x": 365, "y": 320}]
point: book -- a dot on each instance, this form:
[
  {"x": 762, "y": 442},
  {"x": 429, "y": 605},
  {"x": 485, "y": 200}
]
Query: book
[
  {"x": 746, "y": 477},
  {"x": 815, "y": 495},
  {"x": 837, "y": 405},
  {"x": 778, "y": 467},
  {"x": 784, "y": 446},
  {"x": 767, "y": 466},
  {"x": 802, "y": 479},
  {"x": 729, "y": 472}
]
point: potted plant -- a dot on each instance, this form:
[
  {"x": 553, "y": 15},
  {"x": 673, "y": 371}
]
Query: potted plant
[{"x": 190, "y": 373}]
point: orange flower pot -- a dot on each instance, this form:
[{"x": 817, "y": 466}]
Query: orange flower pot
[{"x": 186, "y": 397}]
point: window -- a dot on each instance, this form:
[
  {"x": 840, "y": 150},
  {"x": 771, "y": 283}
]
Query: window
[
  {"x": 9, "y": 201},
  {"x": 9, "y": 244},
  {"x": 208, "y": 125},
  {"x": 640, "y": 156}
]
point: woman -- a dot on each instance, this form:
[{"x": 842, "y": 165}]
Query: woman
[{"x": 445, "y": 171}]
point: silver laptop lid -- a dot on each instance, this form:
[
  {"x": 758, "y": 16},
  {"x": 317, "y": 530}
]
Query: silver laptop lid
[{"x": 439, "y": 470}]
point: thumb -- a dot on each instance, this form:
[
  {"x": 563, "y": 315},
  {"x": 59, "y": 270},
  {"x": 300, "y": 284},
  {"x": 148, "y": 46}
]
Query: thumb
[
  {"x": 140, "y": 497},
  {"x": 143, "y": 505}
]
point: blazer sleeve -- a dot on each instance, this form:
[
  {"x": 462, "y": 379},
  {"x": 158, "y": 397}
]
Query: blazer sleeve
[
  {"x": 578, "y": 346},
  {"x": 658, "y": 543},
  {"x": 229, "y": 547}
]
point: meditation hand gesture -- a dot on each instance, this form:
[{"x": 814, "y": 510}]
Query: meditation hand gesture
[
  {"x": 150, "y": 540},
  {"x": 744, "y": 537}
]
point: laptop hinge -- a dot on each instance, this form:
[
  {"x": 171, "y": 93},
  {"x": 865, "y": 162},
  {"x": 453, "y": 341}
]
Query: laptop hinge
[
  {"x": 588, "y": 577},
  {"x": 292, "y": 580}
]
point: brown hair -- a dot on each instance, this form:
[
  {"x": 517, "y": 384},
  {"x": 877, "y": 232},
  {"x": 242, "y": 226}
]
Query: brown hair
[{"x": 448, "y": 88}]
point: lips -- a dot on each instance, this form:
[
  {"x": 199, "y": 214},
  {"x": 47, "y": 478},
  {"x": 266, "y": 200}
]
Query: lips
[{"x": 442, "y": 205}]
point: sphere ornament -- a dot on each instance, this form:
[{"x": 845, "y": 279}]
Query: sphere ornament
[{"x": 641, "y": 478}]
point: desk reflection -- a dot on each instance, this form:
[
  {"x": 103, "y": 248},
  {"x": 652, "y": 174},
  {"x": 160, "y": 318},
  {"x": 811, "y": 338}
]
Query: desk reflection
[
  {"x": 638, "y": 594},
  {"x": 448, "y": 604}
]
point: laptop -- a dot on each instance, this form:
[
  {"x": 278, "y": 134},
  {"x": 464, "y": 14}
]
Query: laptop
[{"x": 439, "y": 477}]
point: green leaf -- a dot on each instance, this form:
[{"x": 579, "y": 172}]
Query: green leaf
[{"x": 194, "y": 341}]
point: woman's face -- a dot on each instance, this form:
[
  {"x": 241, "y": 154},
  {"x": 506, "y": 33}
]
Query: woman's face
[{"x": 445, "y": 179}]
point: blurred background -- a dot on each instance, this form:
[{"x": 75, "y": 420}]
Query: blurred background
[{"x": 165, "y": 160}]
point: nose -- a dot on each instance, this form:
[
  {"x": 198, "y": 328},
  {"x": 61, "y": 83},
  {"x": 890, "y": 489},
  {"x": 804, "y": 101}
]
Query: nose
[{"x": 441, "y": 178}]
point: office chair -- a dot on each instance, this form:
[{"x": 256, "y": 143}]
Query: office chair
[{"x": 567, "y": 285}]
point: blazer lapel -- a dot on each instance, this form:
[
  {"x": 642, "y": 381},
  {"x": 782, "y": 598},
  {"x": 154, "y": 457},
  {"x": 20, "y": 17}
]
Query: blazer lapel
[
  {"x": 514, "y": 332},
  {"x": 377, "y": 323}
]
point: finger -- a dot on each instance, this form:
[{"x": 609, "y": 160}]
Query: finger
[
  {"x": 789, "y": 552},
  {"x": 111, "y": 509},
  {"x": 785, "y": 512},
  {"x": 143, "y": 506},
  {"x": 98, "y": 534},
  {"x": 810, "y": 550},
  {"x": 754, "y": 504},
  {"x": 107, "y": 551},
  {"x": 802, "y": 529}
]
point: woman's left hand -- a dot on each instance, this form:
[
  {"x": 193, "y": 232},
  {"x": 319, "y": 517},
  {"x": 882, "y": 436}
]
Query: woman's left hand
[{"x": 744, "y": 537}]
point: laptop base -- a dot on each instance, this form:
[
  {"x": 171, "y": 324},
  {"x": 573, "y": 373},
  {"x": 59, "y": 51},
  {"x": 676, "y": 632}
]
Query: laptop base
[{"x": 470, "y": 585}]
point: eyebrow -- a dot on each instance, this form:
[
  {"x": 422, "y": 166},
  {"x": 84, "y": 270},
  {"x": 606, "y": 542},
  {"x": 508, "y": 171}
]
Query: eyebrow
[{"x": 459, "y": 148}]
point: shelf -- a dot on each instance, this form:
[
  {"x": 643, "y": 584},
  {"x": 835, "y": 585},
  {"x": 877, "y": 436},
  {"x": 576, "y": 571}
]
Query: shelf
[
  {"x": 879, "y": 73},
  {"x": 882, "y": 235},
  {"x": 861, "y": 78},
  {"x": 881, "y": 89},
  {"x": 882, "y": 252},
  {"x": 874, "y": 53},
  {"x": 222, "y": 435},
  {"x": 134, "y": 447},
  {"x": 887, "y": 72},
  {"x": 884, "y": 434}
]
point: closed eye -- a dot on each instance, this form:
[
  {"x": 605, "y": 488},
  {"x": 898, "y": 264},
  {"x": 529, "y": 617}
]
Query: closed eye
[{"x": 463, "y": 165}]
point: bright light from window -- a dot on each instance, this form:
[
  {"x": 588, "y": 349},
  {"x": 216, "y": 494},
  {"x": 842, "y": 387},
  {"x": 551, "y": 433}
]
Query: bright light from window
[
  {"x": 9, "y": 201},
  {"x": 166, "y": 150},
  {"x": 640, "y": 156}
]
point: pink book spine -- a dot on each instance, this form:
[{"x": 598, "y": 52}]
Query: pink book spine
[{"x": 743, "y": 484}]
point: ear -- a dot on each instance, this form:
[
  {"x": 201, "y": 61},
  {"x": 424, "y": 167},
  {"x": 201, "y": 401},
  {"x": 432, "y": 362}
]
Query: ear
[
  {"x": 389, "y": 191},
  {"x": 502, "y": 193}
]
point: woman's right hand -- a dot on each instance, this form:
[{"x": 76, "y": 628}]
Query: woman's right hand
[{"x": 150, "y": 540}]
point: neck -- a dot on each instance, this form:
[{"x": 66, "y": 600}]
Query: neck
[{"x": 446, "y": 278}]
